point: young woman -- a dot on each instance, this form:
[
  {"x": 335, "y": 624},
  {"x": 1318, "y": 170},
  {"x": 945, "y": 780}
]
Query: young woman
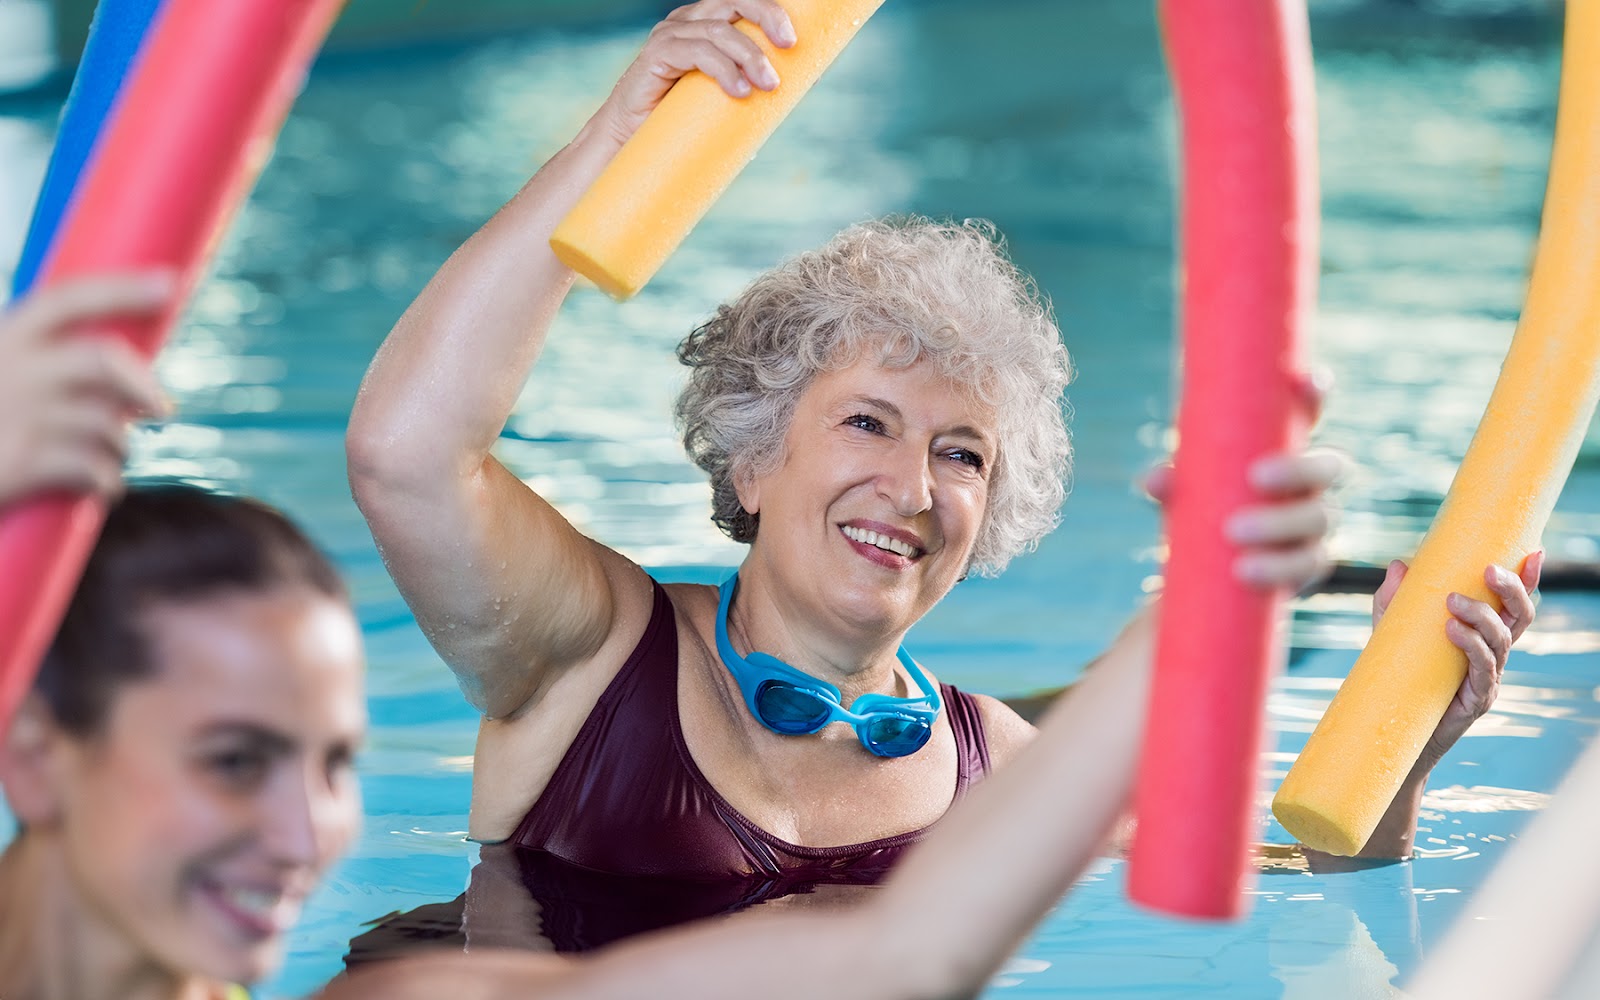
[{"x": 181, "y": 772}]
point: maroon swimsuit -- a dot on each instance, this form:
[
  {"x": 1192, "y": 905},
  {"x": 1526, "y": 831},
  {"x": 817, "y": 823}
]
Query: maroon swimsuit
[{"x": 628, "y": 800}]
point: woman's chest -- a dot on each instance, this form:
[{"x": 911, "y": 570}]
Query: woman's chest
[{"x": 819, "y": 790}]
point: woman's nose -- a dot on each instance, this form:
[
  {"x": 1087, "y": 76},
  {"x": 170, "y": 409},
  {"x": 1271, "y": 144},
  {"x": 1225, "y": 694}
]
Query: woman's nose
[
  {"x": 304, "y": 821},
  {"x": 907, "y": 483}
]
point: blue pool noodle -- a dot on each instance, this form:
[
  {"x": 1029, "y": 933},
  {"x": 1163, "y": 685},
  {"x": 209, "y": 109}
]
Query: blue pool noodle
[{"x": 115, "y": 35}]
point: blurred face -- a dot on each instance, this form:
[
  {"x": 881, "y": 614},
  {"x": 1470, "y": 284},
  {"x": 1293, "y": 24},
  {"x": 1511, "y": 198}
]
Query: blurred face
[
  {"x": 873, "y": 514},
  {"x": 221, "y": 787}
]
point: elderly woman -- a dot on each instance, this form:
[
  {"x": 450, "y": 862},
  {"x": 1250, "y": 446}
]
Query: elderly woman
[{"x": 879, "y": 418}]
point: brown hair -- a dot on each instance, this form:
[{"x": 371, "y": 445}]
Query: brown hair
[{"x": 167, "y": 542}]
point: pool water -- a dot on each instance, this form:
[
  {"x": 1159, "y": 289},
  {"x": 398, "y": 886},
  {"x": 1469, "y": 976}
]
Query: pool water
[{"x": 1055, "y": 121}]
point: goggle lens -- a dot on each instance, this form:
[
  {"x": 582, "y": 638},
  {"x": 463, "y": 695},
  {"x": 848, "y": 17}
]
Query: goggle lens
[
  {"x": 791, "y": 710},
  {"x": 794, "y": 711},
  {"x": 897, "y": 735}
]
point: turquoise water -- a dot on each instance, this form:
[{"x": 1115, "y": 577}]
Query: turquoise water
[{"x": 1054, "y": 120}]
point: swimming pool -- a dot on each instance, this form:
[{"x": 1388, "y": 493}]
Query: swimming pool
[{"x": 1053, "y": 120}]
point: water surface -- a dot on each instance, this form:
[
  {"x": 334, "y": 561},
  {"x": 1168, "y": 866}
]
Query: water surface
[{"x": 1054, "y": 120}]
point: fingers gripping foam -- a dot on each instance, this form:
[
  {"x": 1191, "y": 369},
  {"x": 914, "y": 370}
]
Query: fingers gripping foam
[
  {"x": 690, "y": 149},
  {"x": 1400, "y": 686}
]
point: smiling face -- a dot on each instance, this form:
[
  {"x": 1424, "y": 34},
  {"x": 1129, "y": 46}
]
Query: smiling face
[
  {"x": 871, "y": 516},
  {"x": 220, "y": 787}
]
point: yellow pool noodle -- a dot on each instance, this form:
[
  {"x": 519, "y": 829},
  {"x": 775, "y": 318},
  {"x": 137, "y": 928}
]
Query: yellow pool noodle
[
  {"x": 1380, "y": 719},
  {"x": 690, "y": 149}
]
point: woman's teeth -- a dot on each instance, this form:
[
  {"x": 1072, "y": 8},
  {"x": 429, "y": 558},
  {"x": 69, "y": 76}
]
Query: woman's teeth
[
  {"x": 256, "y": 902},
  {"x": 884, "y": 542}
]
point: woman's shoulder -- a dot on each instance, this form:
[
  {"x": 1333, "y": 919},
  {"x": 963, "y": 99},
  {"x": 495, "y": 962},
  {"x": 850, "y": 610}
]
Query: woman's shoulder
[
  {"x": 693, "y": 601},
  {"x": 1005, "y": 732},
  {"x": 694, "y": 608}
]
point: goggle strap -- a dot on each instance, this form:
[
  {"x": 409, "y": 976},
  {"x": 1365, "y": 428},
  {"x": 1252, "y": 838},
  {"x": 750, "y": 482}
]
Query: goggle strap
[{"x": 752, "y": 671}]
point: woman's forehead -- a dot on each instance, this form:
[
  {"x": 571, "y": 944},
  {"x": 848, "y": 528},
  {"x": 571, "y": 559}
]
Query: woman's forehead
[{"x": 290, "y": 652}]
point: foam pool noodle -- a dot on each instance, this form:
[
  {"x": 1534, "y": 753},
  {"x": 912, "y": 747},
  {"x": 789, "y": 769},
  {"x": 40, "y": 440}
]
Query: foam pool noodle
[
  {"x": 1380, "y": 720},
  {"x": 190, "y": 130},
  {"x": 690, "y": 148},
  {"x": 1242, "y": 71},
  {"x": 114, "y": 40},
  {"x": 115, "y": 34}
]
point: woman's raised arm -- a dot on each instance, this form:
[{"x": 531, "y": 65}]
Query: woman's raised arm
[{"x": 506, "y": 589}]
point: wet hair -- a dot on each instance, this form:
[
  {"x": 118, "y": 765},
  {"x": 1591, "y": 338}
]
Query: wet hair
[
  {"x": 908, "y": 290},
  {"x": 167, "y": 542}
]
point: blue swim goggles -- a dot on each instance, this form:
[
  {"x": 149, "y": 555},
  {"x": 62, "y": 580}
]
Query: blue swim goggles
[{"x": 793, "y": 703}]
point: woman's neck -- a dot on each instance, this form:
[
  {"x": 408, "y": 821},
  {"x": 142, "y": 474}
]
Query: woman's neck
[
  {"x": 53, "y": 946},
  {"x": 853, "y": 664}
]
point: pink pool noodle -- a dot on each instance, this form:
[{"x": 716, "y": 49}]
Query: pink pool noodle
[
  {"x": 1242, "y": 72},
  {"x": 192, "y": 127}
]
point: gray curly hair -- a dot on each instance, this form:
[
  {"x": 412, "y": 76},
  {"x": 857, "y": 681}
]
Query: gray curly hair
[{"x": 911, "y": 289}]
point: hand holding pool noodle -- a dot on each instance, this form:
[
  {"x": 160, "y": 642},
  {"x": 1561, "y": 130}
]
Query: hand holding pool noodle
[
  {"x": 190, "y": 128},
  {"x": 690, "y": 149},
  {"x": 1400, "y": 686},
  {"x": 1242, "y": 71}
]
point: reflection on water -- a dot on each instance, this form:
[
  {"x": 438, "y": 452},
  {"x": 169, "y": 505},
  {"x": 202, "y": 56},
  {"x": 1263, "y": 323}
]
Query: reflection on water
[
  {"x": 1479, "y": 799},
  {"x": 1349, "y": 937},
  {"x": 1331, "y": 954},
  {"x": 1053, "y": 120},
  {"x": 533, "y": 901},
  {"x": 1299, "y": 701}
]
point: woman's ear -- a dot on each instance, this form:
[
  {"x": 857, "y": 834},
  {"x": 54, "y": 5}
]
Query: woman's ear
[
  {"x": 30, "y": 764},
  {"x": 748, "y": 488}
]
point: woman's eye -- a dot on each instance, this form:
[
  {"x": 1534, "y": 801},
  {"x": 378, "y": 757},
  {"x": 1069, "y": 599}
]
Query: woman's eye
[
  {"x": 866, "y": 423},
  {"x": 971, "y": 458},
  {"x": 239, "y": 768},
  {"x": 341, "y": 761}
]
